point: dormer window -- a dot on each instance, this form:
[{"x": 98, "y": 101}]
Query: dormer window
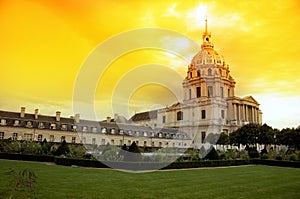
[
  {"x": 64, "y": 127},
  {"x": 16, "y": 123},
  {"x": 129, "y": 132},
  {"x": 94, "y": 129},
  {"x": 29, "y": 124},
  {"x": 121, "y": 131},
  {"x": 3, "y": 122},
  {"x": 41, "y": 125},
  {"x": 145, "y": 134},
  {"x": 53, "y": 126},
  {"x": 112, "y": 131},
  {"x": 103, "y": 130},
  {"x": 74, "y": 127},
  {"x": 84, "y": 128}
]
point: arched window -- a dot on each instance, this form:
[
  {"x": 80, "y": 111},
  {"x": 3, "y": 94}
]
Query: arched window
[{"x": 209, "y": 72}]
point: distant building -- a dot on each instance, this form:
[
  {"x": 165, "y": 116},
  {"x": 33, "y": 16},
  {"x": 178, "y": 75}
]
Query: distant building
[
  {"x": 209, "y": 106},
  {"x": 117, "y": 131}
]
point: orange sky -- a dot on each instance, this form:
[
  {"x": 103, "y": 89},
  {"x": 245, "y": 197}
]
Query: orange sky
[{"x": 44, "y": 44}]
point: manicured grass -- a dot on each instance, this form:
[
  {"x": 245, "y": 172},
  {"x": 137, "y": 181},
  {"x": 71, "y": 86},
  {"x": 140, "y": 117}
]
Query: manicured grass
[{"x": 231, "y": 182}]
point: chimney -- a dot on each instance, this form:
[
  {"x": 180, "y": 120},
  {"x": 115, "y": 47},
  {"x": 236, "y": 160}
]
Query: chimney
[
  {"x": 108, "y": 119},
  {"x": 36, "y": 113},
  {"x": 57, "y": 116},
  {"x": 77, "y": 118},
  {"x": 22, "y": 114}
]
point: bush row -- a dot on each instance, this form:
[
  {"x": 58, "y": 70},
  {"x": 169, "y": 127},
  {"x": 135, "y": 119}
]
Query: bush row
[
  {"x": 280, "y": 163},
  {"x": 18, "y": 156},
  {"x": 146, "y": 165}
]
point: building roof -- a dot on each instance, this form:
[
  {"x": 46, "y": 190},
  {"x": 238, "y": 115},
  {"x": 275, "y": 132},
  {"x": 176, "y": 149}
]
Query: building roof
[{"x": 148, "y": 115}]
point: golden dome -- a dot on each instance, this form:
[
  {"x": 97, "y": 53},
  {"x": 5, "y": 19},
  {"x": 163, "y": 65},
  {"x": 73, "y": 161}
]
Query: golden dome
[{"x": 207, "y": 54}]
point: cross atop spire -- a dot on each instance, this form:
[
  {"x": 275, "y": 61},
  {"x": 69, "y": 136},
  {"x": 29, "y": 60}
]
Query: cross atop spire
[{"x": 206, "y": 24}]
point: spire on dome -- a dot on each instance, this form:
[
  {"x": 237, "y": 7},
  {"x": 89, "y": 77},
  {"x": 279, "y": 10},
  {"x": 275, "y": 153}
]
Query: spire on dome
[
  {"x": 206, "y": 37},
  {"x": 206, "y": 24}
]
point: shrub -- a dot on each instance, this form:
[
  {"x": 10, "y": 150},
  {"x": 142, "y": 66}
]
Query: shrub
[
  {"x": 293, "y": 157},
  {"x": 253, "y": 153},
  {"x": 63, "y": 149},
  {"x": 212, "y": 154},
  {"x": 265, "y": 156},
  {"x": 278, "y": 157}
]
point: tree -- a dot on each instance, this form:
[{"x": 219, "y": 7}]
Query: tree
[
  {"x": 223, "y": 139},
  {"x": 212, "y": 154},
  {"x": 133, "y": 154},
  {"x": 266, "y": 135},
  {"x": 63, "y": 149}
]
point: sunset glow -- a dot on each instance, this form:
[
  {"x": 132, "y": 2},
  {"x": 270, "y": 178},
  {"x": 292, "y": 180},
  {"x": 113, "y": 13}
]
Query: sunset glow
[{"x": 44, "y": 44}]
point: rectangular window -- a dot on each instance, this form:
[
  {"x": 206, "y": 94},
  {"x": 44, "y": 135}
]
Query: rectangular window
[
  {"x": 145, "y": 143},
  {"x": 84, "y": 140},
  {"x": 203, "y": 114},
  {"x": 152, "y": 144},
  {"x": 121, "y": 142},
  {"x": 93, "y": 141},
  {"x": 40, "y": 137},
  {"x": 191, "y": 74},
  {"x": 198, "y": 91},
  {"x": 1, "y": 135},
  {"x": 103, "y": 142},
  {"x": 51, "y": 138},
  {"x": 28, "y": 136},
  {"x": 160, "y": 144},
  {"x": 203, "y": 135},
  {"x": 222, "y": 92},
  {"x": 222, "y": 114},
  {"x": 210, "y": 91},
  {"x": 15, "y": 136},
  {"x": 179, "y": 115},
  {"x": 129, "y": 142},
  {"x": 73, "y": 140},
  {"x": 190, "y": 93},
  {"x": 112, "y": 142},
  {"x": 163, "y": 119},
  {"x": 137, "y": 143},
  {"x": 62, "y": 138}
]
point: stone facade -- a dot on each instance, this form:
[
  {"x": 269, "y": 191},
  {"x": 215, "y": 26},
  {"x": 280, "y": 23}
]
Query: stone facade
[{"x": 209, "y": 104}]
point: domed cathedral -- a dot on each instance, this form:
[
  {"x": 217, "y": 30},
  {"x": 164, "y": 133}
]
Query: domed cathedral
[{"x": 209, "y": 104}]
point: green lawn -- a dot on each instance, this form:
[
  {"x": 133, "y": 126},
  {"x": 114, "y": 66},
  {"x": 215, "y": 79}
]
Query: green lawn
[{"x": 231, "y": 182}]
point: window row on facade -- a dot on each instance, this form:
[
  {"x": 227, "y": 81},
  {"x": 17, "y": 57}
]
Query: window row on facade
[
  {"x": 210, "y": 92},
  {"x": 94, "y": 141},
  {"x": 203, "y": 115}
]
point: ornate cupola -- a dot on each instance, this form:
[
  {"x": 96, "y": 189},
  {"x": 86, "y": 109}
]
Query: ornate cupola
[{"x": 208, "y": 75}]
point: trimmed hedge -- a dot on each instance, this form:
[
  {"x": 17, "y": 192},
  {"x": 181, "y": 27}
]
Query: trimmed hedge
[
  {"x": 280, "y": 163},
  {"x": 149, "y": 165},
  {"x": 18, "y": 156},
  {"x": 146, "y": 165}
]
